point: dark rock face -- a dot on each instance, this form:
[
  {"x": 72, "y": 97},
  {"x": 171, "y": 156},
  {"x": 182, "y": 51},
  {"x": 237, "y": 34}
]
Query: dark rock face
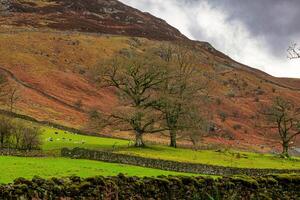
[
  {"x": 4, "y": 6},
  {"x": 97, "y": 16}
]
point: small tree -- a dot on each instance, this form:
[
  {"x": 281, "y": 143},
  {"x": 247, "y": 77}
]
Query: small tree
[
  {"x": 78, "y": 104},
  {"x": 293, "y": 52},
  {"x": 13, "y": 97},
  {"x": 135, "y": 80},
  {"x": 18, "y": 131},
  {"x": 3, "y": 84},
  {"x": 6, "y": 128},
  {"x": 30, "y": 139},
  {"x": 285, "y": 117}
]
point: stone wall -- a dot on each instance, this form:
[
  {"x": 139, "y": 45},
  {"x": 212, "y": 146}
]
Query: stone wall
[
  {"x": 79, "y": 153},
  {"x": 164, "y": 188}
]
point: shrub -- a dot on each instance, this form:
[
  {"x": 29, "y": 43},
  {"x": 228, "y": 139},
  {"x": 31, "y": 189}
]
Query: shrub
[
  {"x": 235, "y": 114},
  {"x": 30, "y": 139},
  {"x": 218, "y": 101},
  {"x": 230, "y": 94},
  {"x": 3, "y": 78},
  {"x": 94, "y": 114},
  {"x": 135, "y": 42},
  {"x": 223, "y": 116},
  {"x": 260, "y": 92},
  {"x": 15, "y": 134},
  {"x": 125, "y": 52},
  {"x": 237, "y": 127},
  {"x": 6, "y": 128},
  {"x": 78, "y": 104}
]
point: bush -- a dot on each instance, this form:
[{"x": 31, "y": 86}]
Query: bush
[
  {"x": 235, "y": 114},
  {"x": 230, "y": 94},
  {"x": 15, "y": 134},
  {"x": 3, "y": 79},
  {"x": 30, "y": 139},
  {"x": 218, "y": 101},
  {"x": 6, "y": 129},
  {"x": 78, "y": 104},
  {"x": 94, "y": 114},
  {"x": 237, "y": 127},
  {"x": 223, "y": 116},
  {"x": 125, "y": 52}
]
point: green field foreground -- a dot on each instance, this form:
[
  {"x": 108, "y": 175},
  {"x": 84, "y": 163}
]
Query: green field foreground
[
  {"x": 62, "y": 139},
  {"x": 14, "y": 167}
]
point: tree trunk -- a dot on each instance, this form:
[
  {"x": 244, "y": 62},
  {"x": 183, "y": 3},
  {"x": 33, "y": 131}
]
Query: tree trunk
[
  {"x": 173, "y": 136},
  {"x": 1, "y": 141},
  {"x": 139, "y": 140},
  {"x": 285, "y": 149}
]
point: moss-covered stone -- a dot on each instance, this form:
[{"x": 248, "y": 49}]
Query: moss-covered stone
[{"x": 164, "y": 187}]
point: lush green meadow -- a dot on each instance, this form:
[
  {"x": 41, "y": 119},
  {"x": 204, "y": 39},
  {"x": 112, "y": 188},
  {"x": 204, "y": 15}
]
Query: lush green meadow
[
  {"x": 15, "y": 167},
  {"x": 54, "y": 140},
  {"x": 224, "y": 158}
]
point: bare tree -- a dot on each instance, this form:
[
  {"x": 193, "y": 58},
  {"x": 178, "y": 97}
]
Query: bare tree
[
  {"x": 182, "y": 90},
  {"x": 6, "y": 128},
  {"x": 18, "y": 132},
  {"x": 285, "y": 117},
  {"x": 293, "y": 51},
  {"x": 13, "y": 97},
  {"x": 135, "y": 81},
  {"x": 9, "y": 94},
  {"x": 3, "y": 84},
  {"x": 30, "y": 138}
]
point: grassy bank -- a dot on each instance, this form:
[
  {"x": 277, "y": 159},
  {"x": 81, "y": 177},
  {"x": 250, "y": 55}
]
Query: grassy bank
[
  {"x": 15, "y": 167},
  {"x": 54, "y": 140}
]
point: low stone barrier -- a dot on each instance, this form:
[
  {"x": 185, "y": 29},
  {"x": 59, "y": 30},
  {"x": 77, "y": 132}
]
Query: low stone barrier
[
  {"x": 79, "y": 153},
  {"x": 120, "y": 187}
]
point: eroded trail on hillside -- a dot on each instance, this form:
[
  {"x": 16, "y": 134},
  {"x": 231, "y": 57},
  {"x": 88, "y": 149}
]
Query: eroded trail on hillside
[{"x": 12, "y": 76}]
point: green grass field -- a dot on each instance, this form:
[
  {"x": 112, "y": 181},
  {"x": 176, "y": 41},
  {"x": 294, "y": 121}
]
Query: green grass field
[
  {"x": 15, "y": 167},
  {"x": 223, "y": 158}
]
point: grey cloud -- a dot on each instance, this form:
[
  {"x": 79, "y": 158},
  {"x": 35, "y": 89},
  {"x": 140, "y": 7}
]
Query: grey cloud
[
  {"x": 255, "y": 32},
  {"x": 277, "y": 21}
]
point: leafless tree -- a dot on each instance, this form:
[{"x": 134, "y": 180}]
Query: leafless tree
[
  {"x": 30, "y": 138},
  {"x": 18, "y": 131},
  {"x": 9, "y": 94},
  {"x": 135, "y": 81},
  {"x": 3, "y": 84},
  {"x": 285, "y": 117},
  {"x": 13, "y": 97},
  {"x": 293, "y": 51},
  {"x": 180, "y": 93},
  {"x": 6, "y": 128}
]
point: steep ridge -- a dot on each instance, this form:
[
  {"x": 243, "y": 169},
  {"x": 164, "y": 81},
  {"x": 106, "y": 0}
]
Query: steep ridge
[{"x": 99, "y": 16}]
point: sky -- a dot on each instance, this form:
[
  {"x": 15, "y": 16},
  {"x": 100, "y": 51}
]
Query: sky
[{"x": 254, "y": 32}]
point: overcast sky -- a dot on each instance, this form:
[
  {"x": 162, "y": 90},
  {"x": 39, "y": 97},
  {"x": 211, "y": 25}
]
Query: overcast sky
[{"x": 254, "y": 32}]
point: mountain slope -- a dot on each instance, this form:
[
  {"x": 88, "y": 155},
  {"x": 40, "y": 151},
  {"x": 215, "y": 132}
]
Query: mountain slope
[
  {"x": 97, "y": 16},
  {"x": 47, "y": 48}
]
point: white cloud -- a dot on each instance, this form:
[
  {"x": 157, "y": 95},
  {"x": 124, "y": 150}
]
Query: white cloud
[{"x": 202, "y": 21}]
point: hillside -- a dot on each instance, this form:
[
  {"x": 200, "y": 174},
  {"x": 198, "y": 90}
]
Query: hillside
[
  {"x": 96, "y": 16},
  {"x": 47, "y": 48}
]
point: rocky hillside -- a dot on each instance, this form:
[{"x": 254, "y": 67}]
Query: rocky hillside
[
  {"x": 48, "y": 46},
  {"x": 97, "y": 16}
]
